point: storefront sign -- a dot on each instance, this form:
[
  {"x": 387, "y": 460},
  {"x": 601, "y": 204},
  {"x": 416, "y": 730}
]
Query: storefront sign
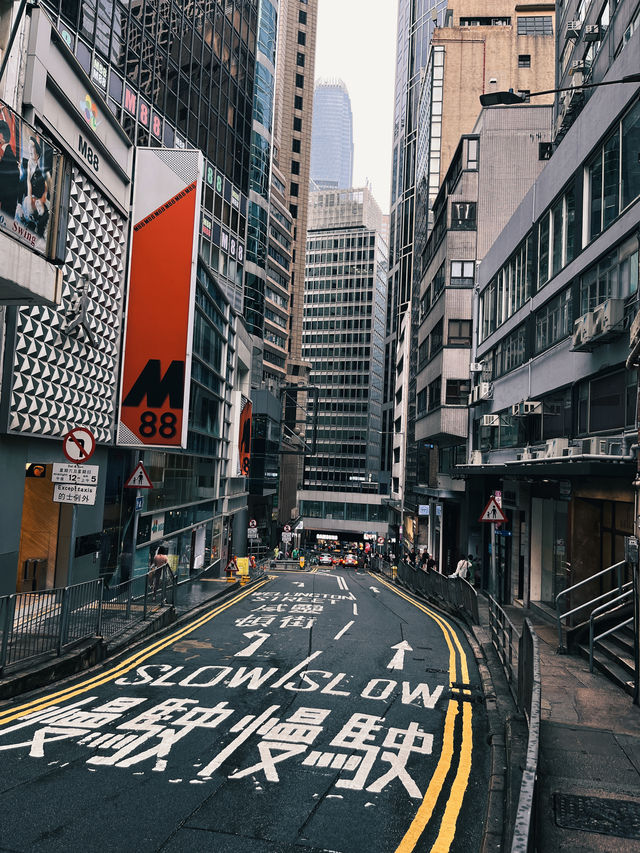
[
  {"x": 157, "y": 526},
  {"x": 423, "y": 509}
]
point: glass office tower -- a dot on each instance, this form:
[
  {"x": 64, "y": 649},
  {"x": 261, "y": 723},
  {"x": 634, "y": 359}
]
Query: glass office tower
[{"x": 332, "y": 139}]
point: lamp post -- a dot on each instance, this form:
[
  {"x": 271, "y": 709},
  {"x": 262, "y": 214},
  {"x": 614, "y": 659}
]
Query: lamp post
[{"x": 494, "y": 99}]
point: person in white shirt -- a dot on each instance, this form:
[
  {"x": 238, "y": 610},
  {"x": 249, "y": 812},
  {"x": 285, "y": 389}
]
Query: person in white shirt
[{"x": 462, "y": 569}]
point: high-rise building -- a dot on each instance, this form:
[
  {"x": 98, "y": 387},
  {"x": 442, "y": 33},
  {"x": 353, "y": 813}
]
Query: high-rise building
[
  {"x": 292, "y": 157},
  {"x": 343, "y": 339},
  {"x": 332, "y": 139},
  {"x": 416, "y": 22}
]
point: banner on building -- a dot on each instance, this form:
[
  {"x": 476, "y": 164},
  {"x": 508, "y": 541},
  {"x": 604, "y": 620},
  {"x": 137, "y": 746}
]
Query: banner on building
[
  {"x": 30, "y": 175},
  {"x": 244, "y": 438},
  {"x": 154, "y": 395}
]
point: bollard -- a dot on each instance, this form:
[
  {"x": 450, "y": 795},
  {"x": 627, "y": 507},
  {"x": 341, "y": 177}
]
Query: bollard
[{"x": 394, "y": 572}]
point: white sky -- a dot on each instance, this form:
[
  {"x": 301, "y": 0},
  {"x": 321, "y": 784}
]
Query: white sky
[{"x": 356, "y": 42}]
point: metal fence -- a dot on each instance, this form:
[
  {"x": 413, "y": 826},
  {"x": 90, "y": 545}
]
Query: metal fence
[
  {"x": 48, "y": 622},
  {"x": 455, "y": 592},
  {"x": 520, "y": 658}
]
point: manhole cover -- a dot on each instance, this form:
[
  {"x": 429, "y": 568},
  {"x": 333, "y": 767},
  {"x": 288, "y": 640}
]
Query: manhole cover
[{"x": 595, "y": 814}]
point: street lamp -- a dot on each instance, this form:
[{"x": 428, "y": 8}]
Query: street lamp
[{"x": 494, "y": 99}]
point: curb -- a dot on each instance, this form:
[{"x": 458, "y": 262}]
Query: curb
[{"x": 95, "y": 651}]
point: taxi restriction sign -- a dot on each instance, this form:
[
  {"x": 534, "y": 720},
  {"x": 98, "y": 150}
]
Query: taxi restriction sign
[
  {"x": 493, "y": 512},
  {"x": 78, "y": 445}
]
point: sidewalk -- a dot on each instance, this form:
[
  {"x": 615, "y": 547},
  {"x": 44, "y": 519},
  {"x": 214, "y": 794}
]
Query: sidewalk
[{"x": 589, "y": 760}]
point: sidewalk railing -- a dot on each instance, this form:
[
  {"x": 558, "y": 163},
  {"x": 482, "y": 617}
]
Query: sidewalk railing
[
  {"x": 455, "y": 592},
  {"x": 522, "y": 668}
]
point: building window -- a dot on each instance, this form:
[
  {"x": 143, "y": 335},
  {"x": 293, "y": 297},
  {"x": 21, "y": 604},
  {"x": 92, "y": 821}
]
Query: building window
[
  {"x": 615, "y": 275},
  {"x": 472, "y": 154},
  {"x": 524, "y": 60},
  {"x": 302, "y": 38},
  {"x": 435, "y": 339},
  {"x": 298, "y": 102},
  {"x": 302, "y": 17},
  {"x": 421, "y": 402},
  {"x": 295, "y": 146},
  {"x": 293, "y": 210},
  {"x": 297, "y": 124},
  {"x": 295, "y": 167},
  {"x": 462, "y": 273},
  {"x": 293, "y": 189},
  {"x": 631, "y": 156},
  {"x": 554, "y": 321},
  {"x": 435, "y": 394},
  {"x": 535, "y": 25},
  {"x": 459, "y": 333},
  {"x": 300, "y": 59},
  {"x": 299, "y": 81},
  {"x": 457, "y": 392},
  {"x": 463, "y": 215}
]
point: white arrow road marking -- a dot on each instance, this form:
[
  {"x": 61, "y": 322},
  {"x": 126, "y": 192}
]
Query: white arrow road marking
[
  {"x": 397, "y": 661},
  {"x": 298, "y": 583},
  {"x": 246, "y": 653},
  {"x": 346, "y": 628},
  {"x": 374, "y": 589}
]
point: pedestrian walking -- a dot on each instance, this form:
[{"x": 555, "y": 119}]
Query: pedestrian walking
[
  {"x": 462, "y": 569},
  {"x": 159, "y": 562}
]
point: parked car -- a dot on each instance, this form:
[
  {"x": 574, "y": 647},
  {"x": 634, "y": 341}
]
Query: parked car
[
  {"x": 351, "y": 560},
  {"x": 325, "y": 560}
]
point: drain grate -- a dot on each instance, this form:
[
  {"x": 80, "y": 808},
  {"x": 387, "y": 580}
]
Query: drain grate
[{"x": 595, "y": 814}]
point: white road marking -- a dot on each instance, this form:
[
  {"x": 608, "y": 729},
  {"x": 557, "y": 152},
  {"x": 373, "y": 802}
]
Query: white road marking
[
  {"x": 261, "y": 637},
  {"x": 344, "y": 630},
  {"x": 374, "y": 589},
  {"x": 397, "y": 661},
  {"x": 355, "y": 609}
]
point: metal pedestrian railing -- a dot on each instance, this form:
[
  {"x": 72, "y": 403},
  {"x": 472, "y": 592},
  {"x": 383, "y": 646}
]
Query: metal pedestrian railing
[
  {"x": 520, "y": 658},
  {"x": 456, "y": 592},
  {"x": 613, "y": 574}
]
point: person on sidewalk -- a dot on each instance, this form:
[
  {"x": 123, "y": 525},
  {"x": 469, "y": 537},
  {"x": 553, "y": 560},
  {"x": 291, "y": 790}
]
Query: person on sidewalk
[
  {"x": 462, "y": 569},
  {"x": 158, "y": 564}
]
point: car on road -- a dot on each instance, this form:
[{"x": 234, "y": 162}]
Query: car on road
[
  {"x": 325, "y": 560},
  {"x": 350, "y": 560}
]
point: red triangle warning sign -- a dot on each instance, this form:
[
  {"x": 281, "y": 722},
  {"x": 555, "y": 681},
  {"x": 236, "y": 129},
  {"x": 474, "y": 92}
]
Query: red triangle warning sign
[
  {"x": 139, "y": 479},
  {"x": 493, "y": 512}
]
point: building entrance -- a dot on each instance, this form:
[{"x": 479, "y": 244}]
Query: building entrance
[{"x": 39, "y": 531}]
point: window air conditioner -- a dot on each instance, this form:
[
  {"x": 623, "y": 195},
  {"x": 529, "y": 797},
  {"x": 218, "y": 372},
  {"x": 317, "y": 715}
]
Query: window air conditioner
[
  {"x": 476, "y": 367},
  {"x": 582, "y": 332},
  {"x": 485, "y": 390},
  {"x": 526, "y": 407},
  {"x": 555, "y": 447},
  {"x": 608, "y": 318},
  {"x": 573, "y": 30},
  {"x": 592, "y": 33},
  {"x": 475, "y": 457},
  {"x": 490, "y": 420},
  {"x": 528, "y": 454},
  {"x": 577, "y": 67},
  {"x": 594, "y": 446}
]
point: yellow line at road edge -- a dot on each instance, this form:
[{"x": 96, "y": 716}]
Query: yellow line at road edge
[
  {"x": 123, "y": 667},
  {"x": 459, "y": 786}
]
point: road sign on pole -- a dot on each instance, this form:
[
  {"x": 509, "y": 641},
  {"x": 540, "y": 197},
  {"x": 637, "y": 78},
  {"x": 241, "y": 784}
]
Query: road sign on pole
[
  {"x": 493, "y": 513},
  {"x": 139, "y": 479},
  {"x": 79, "y": 445}
]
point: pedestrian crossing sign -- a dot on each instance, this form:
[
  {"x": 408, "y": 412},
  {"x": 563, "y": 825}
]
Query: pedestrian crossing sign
[
  {"x": 139, "y": 479},
  {"x": 493, "y": 512}
]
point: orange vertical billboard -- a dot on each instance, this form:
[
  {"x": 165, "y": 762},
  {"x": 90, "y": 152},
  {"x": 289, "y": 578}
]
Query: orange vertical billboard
[
  {"x": 244, "y": 438},
  {"x": 156, "y": 369}
]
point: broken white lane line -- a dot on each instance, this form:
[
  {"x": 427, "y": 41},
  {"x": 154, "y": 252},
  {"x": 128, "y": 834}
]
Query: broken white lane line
[
  {"x": 355, "y": 609},
  {"x": 344, "y": 630}
]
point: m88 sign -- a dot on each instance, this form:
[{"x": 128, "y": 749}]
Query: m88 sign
[{"x": 160, "y": 304}]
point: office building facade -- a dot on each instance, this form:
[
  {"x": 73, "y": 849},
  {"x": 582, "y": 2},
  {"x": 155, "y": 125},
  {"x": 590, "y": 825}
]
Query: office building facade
[
  {"x": 332, "y": 139},
  {"x": 557, "y": 433},
  {"x": 343, "y": 340}
]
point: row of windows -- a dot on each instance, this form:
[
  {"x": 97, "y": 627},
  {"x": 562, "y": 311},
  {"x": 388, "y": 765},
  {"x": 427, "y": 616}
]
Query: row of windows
[
  {"x": 320, "y": 353},
  {"x": 337, "y": 324},
  {"x": 605, "y": 402},
  {"x": 351, "y": 338},
  {"x": 341, "y": 270},
  {"x": 315, "y": 244},
  {"x": 612, "y": 184},
  {"x": 348, "y": 512},
  {"x": 338, "y": 283},
  {"x": 334, "y": 298},
  {"x": 340, "y": 257}
]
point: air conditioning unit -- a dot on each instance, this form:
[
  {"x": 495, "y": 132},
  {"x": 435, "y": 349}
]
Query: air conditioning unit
[
  {"x": 615, "y": 447},
  {"x": 528, "y": 454},
  {"x": 475, "y": 457},
  {"x": 592, "y": 33},
  {"x": 490, "y": 420},
  {"x": 573, "y": 30},
  {"x": 582, "y": 333},
  {"x": 485, "y": 390},
  {"x": 573, "y": 450},
  {"x": 608, "y": 318},
  {"x": 526, "y": 407},
  {"x": 476, "y": 367},
  {"x": 577, "y": 67},
  {"x": 594, "y": 446},
  {"x": 556, "y": 447}
]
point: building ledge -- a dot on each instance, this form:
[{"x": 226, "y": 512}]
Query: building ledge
[{"x": 27, "y": 278}]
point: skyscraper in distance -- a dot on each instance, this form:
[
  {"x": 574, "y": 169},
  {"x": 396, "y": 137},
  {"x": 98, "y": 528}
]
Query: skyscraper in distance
[{"x": 332, "y": 136}]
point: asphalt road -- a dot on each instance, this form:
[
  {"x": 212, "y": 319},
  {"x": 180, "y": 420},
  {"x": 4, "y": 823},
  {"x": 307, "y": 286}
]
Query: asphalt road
[{"x": 319, "y": 711}]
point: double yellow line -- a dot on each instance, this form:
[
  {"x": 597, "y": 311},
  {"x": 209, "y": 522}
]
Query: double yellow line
[
  {"x": 459, "y": 785},
  {"x": 126, "y": 665}
]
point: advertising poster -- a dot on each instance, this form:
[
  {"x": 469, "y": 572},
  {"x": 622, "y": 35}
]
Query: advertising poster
[
  {"x": 161, "y": 298},
  {"x": 28, "y": 174},
  {"x": 244, "y": 438}
]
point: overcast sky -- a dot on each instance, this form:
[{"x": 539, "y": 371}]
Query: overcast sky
[{"x": 356, "y": 42}]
